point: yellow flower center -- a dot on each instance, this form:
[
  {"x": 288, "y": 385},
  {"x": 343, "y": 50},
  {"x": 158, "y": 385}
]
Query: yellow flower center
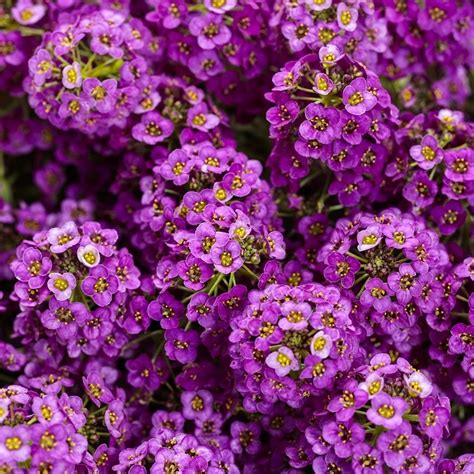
[
  {"x": 428, "y": 153},
  {"x": 387, "y": 411},
  {"x": 346, "y": 17},
  {"x": 356, "y": 98},
  {"x": 226, "y": 259},
  {"x": 283, "y": 360},
  {"x": 13, "y": 444},
  {"x": 319, "y": 343},
  {"x": 61, "y": 284},
  {"x": 90, "y": 258}
]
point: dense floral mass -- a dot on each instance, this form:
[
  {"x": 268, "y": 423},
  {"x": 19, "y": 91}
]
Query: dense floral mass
[{"x": 236, "y": 236}]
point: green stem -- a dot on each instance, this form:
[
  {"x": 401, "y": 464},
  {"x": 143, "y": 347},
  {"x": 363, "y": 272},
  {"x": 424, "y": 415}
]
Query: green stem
[
  {"x": 141, "y": 338},
  {"x": 250, "y": 272},
  {"x": 361, "y": 259}
]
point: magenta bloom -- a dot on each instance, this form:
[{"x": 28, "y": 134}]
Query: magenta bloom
[
  {"x": 201, "y": 119},
  {"x": 322, "y": 124},
  {"x": 283, "y": 361},
  {"x": 100, "y": 285},
  {"x": 32, "y": 268},
  {"x": 387, "y": 411},
  {"x": 142, "y": 373},
  {"x": 357, "y": 98},
  {"x": 63, "y": 238},
  {"x": 152, "y": 129},
  {"x": 210, "y": 31},
  {"x": 14, "y": 443},
  {"x": 226, "y": 257},
  {"x": 428, "y": 154},
  {"x": 27, "y": 13},
  {"x": 398, "y": 445},
  {"x": 341, "y": 268},
  {"x": 62, "y": 285}
]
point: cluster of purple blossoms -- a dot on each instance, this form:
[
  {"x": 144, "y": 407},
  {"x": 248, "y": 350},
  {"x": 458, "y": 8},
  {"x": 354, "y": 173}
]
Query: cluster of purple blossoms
[
  {"x": 38, "y": 430},
  {"x": 223, "y": 43},
  {"x": 331, "y": 110},
  {"x": 398, "y": 269},
  {"x": 90, "y": 73},
  {"x": 400, "y": 40},
  {"x": 434, "y": 165},
  {"x": 75, "y": 287}
]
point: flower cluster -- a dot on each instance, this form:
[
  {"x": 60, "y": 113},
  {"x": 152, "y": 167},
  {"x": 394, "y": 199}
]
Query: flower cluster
[
  {"x": 330, "y": 109},
  {"x": 37, "y": 430},
  {"x": 397, "y": 267},
  {"x": 90, "y": 73},
  {"x": 435, "y": 165},
  {"x": 290, "y": 342},
  {"x": 398, "y": 39},
  {"x": 78, "y": 286}
]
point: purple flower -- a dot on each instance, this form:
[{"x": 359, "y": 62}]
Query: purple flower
[
  {"x": 434, "y": 417},
  {"x": 100, "y": 94},
  {"x": 428, "y": 154},
  {"x": 356, "y": 97},
  {"x": 14, "y": 444},
  {"x": 226, "y": 257},
  {"x": 32, "y": 268},
  {"x": 299, "y": 33},
  {"x": 387, "y": 411},
  {"x": 404, "y": 283},
  {"x": 64, "y": 317},
  {"x": 27, "y": 13},
  {"x": 142, "y": 373},
  {"x": 450, "y": 217},
  {"x": 209, "y": 30},
  {"x": 63, "y": 238},
  {"x": 152, "y": 129},
  {"x": 321, "y": 371},
  {"x": 199, "y": 118},
  {"x": 347, "y": 17},
  {"x": 420, "y": 190},
  {"x": 322, "y": 124},
  {"x": 72, "y": 77},
  {"x": 194, "y": 272},
  {"x": 376, "y": 294},
  {"x": 367, "y": 460},
  {"x": 181, "y": 345},
  {"x": 346, "y": 404},
  {"x": 177, "y": 167},
  {"x": 106, "y": 40},
  {"x": 245, "y": 437},
  {"x": 100, "y": 285},
  {"x": 197, "y": 404},
  {"x": 459, "y": 165},
  {"x": 283, "y": 361},
  {"x": 50, "y": 441},
  {"x": 61, "y": 285},
  {"x": 354, "y": 127},
  {"x": 343, "y": 436},
  {"x": 399, "y": 444},
  {"x": 41, "y": 67},
  {"x": 341, "y": 268}
]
